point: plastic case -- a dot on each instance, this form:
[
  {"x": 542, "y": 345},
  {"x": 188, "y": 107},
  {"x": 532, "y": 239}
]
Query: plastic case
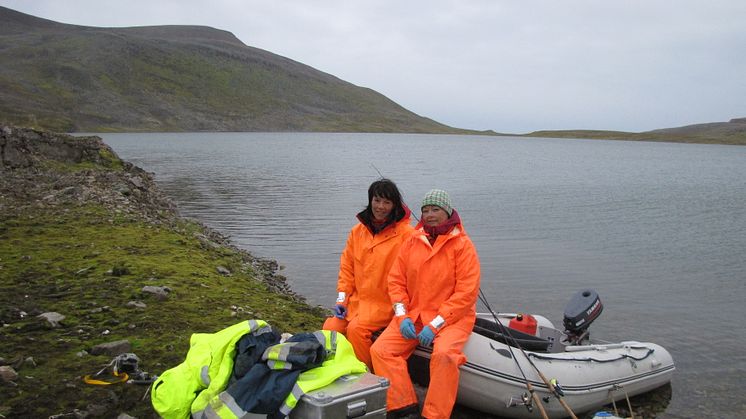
[{"x": 350, "y": 396}]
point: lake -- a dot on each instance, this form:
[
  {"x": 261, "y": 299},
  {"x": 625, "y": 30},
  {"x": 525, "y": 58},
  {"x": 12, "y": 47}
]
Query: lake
[{"x": 658, "y": 229}]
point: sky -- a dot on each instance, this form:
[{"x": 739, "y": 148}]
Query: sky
[{"x": 512, "y": 66}]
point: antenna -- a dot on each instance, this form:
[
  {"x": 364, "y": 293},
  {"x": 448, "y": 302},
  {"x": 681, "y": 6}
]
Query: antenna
[{"x": 379, "y": 172}]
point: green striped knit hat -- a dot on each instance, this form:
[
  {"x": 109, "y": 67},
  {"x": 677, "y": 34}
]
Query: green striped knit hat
[{"x": 439, "y": 198}]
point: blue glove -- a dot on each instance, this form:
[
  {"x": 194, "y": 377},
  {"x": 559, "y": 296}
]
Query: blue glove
[
  {"x": 340, "y": 311},
  {"x": 426, "y": 336},
  {"x": 407, "y": 329}
]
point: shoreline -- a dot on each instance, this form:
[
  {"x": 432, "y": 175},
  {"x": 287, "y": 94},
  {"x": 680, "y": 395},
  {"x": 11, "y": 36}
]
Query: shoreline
[{"x": 89, "y": 236}]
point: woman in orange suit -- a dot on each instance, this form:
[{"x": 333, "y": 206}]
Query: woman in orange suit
[
  {"x": 433, "y": 287},
  {"x": 363, "y": 306}
]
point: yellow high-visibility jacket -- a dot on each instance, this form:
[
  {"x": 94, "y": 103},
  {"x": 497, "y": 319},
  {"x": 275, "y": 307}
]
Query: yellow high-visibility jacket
[{"x": 196, "y": 386}]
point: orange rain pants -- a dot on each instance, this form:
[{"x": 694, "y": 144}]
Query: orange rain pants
[
  {"x": 390, "y": 354},
  {"x": 359, "y": 336}
]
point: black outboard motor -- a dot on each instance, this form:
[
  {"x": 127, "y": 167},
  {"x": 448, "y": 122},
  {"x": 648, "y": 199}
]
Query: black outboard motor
[{"x": 584, "y": 307}]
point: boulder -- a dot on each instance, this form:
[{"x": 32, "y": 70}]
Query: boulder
[
  {"x": 52, "y": 317},
  {"x": 7, "y": 373},
  {"x": 112, "y": 348}
]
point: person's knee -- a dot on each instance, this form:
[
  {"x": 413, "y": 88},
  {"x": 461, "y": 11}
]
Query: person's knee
[
  {"x": 335, "y": 324},
  {"x": 441, "y": 357},
  {"x": 358, "y": 334}
]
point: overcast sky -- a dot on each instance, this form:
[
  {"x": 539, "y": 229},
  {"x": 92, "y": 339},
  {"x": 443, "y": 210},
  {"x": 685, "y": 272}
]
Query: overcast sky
[{"x": 508, "y": 65}]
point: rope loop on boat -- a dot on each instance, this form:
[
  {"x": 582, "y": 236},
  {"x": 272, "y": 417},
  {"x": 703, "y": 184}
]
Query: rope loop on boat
[{"x": 601, "y": 361}]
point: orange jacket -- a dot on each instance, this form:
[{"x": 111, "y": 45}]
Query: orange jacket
[
  {"x": 439, "y": 279},
  {"x": 363, "y": 268}
]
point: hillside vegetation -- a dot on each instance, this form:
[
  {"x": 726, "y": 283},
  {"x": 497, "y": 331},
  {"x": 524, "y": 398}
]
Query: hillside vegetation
[{"x": 175, "y": 78}]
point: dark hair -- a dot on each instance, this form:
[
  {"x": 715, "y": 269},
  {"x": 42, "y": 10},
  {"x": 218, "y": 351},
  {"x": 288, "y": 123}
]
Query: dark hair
[{"x": 385, "y": 188}]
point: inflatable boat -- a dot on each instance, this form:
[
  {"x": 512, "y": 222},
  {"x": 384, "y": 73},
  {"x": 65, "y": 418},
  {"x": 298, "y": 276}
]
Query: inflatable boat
[{"x": 516, "y": 361}]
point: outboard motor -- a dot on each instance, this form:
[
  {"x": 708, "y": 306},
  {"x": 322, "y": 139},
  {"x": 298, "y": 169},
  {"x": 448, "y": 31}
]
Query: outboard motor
[{"x": 584, "y": 307}]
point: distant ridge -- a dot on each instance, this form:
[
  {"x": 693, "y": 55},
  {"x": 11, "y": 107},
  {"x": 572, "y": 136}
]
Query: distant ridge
[
  {"x": 175, "y": 78},
  {"x": 731, "y": 132}
]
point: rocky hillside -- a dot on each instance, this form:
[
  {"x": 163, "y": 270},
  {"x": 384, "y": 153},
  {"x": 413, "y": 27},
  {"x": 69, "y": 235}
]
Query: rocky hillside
[
  {"x": 175, "y": 78},
  {"x": 95, "y": 261}
]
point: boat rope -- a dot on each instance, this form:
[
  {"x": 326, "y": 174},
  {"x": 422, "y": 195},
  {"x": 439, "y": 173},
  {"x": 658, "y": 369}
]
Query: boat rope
[
  {"x": 626, "y": 396},
  {"x": 552, "y": 389},
  {"x": 601, "y": 361}
]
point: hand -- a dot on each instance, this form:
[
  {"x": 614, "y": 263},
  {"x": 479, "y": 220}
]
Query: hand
[
  {"x": 340, "y": 311},
  {"x": 407, "y": 328},
  {"x": 426, "y": 336}
]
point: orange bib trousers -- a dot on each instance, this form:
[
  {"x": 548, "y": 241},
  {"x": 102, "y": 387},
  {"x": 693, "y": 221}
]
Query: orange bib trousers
[{"x": 390, "y": 353}]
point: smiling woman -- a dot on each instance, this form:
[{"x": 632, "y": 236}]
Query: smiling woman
[
  {"x": 363, "y": 305},
  {"x": 433, "y": 285}
]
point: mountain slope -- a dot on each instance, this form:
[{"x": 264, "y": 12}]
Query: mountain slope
[{"x": 175, "y": 78}]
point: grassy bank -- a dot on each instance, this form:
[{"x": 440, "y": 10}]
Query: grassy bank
[
  {"x": 76, "y": 240},
  {"x": 87, "y": 264}
]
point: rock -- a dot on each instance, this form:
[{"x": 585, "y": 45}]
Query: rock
[
  {"x": 137, "y": 181},
  {"x": 125, "y": 416},
  {"x": 160, "y": 292},
  {"x": 29, "y": 361},
  {"x": 136, "y": 304},
  {"x": 97, "y": 410},
  {"x": 7, "y": 373},
  {"x": 223, "y": 271},
  {"x": 52, "y": 317},
  {"x": 112, "y": 348}
]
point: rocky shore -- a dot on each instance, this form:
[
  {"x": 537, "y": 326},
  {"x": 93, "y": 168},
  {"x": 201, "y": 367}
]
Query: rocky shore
[
  {"x": 96, "y": 261},
  {"x": 46, "y": 171}
]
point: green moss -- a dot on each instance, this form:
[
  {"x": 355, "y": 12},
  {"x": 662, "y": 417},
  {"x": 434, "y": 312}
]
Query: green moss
[
  {"x": 109, "y": 159},
  {"x": 87, "y": 264}
]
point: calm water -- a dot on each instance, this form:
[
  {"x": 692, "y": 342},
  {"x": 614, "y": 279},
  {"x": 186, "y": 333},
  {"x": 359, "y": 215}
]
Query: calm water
[{"x": 659, "y": 230}]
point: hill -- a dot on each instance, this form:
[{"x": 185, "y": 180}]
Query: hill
[
  {"x": 175, "y": 78},
  {"x": 731, "y": 132}
]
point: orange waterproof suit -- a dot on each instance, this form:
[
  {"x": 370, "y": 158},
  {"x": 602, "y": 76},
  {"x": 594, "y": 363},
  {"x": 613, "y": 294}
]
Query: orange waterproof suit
[
  {"x": 441, "y": 279},
  {"x": 363, "y": 268}
]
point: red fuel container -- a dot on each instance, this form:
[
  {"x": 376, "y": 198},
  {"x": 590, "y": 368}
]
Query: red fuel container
[{"x": 526, "y": 323}]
